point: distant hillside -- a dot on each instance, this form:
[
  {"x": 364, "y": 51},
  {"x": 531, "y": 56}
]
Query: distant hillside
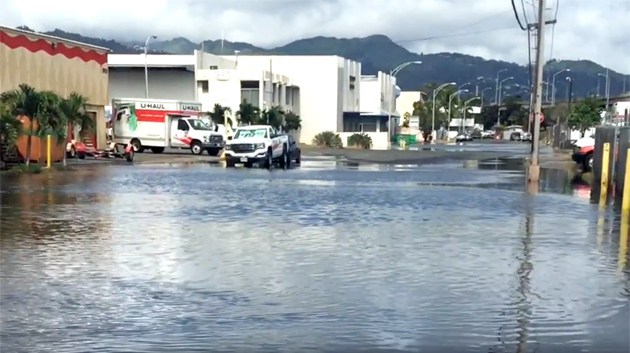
[{"x": 378, "y": 52}]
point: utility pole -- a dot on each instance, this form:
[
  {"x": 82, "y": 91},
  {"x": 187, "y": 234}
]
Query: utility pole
[{"x": 533, "y": 172}]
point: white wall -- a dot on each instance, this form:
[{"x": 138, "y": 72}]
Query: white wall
[
  {"x": 324, "y": 87},
  {"x": 404, "y": 102},
  {"x": 176, "y": 84},
  {"x": 378, "y": 94}
]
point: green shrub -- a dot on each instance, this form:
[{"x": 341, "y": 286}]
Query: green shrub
[
  {"x": 26, "y": 169},
  {"x": 328, "y": 139},
  {"x": 361, "y": 140}
]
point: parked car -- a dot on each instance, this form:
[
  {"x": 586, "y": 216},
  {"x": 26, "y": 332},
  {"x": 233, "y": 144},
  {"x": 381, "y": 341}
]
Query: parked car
[
  {"x": 526, "y": 137},
  {"x": 488, "y": 134},
  {"x": 463, "y": 137},
  {"x": 296, "y": 151},
  {"x": 583, "y": 153},
  {"x": 516, "y": 136}
]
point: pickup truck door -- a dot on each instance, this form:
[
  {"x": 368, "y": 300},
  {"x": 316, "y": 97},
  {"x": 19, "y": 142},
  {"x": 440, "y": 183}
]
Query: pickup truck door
[{"x": 276, "y": 143}]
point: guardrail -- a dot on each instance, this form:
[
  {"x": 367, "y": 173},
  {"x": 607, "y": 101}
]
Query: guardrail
[{"x": 611, "y": 166}]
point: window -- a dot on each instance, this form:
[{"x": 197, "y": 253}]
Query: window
[
  {"x": 213, "y": 67},
  {"x": 204, "y": 86},
  {"x": 182, "y": 125}
]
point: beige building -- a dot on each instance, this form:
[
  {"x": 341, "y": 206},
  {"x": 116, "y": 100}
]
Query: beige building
[{"x": 59, "y": 65}]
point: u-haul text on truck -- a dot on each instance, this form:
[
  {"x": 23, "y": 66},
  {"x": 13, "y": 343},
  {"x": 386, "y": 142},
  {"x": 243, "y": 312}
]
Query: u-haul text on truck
[{"x": 156, "y": 124}]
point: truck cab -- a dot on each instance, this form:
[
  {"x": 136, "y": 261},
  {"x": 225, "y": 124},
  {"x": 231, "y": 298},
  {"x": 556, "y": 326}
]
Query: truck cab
[
  {"x": 193, "y": 133},
  {"x": 258, "y": 144}
]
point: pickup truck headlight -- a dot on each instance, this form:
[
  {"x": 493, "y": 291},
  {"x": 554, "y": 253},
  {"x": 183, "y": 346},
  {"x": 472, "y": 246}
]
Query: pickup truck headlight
[
  {"x": 260, "y": 146},
  {"x": 228, "y": 147}
]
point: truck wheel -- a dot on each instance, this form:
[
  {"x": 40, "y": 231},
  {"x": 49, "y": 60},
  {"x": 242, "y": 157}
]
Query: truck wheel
[
  {"x": 213, "y": 151},
  {"x": 229, "y": 163},
  {"x": 269, "y": 159},
  {"x": 137, "y": 146},
  {"x": 588, "y": 163},
  {"x": 195, "y": 147},
  {"x": 157, "y": 149},
  {"x": 298, "y": 158}
]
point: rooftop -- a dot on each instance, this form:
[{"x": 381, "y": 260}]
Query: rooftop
[{"x": 52, "y": 38}]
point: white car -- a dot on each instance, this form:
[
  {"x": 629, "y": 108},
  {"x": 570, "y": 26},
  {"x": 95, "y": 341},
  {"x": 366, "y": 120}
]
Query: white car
[{"x": 258, "y": 144}]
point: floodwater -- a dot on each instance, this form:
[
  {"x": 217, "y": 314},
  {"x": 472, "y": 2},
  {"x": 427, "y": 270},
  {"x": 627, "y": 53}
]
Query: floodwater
[{"x": 323, "y": 258}]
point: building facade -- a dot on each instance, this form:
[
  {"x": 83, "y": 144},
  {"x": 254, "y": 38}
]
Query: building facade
[
  {"x": 58, "y": 65},
  {"x": 324, "y": 90}
]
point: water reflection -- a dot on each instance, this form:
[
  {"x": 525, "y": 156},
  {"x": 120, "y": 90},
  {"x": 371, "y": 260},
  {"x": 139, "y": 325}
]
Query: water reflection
[{"x": 186, "y": 259}]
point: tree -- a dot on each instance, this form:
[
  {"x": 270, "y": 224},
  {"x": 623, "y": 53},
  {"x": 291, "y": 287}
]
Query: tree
[
  {"x": 292, "y": 122},
  {"x": 406, "y": 120},
  {"x": 585, "y": 114},
  {"x": 424, "y": 112},
  {"x": 24, "y": 101},
  {"x": 73, "y": 110},
  {"x": 10, "y": 130},
  {"x": 247, "y": 113},
  {"x": 218, "y": 113},
  {"x": 273, "y": 116}
]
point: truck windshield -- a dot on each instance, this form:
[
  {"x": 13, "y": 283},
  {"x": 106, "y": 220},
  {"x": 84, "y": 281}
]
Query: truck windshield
[
  {"x": 198, "y": 124},
  {"x": 250, "y": 133}
]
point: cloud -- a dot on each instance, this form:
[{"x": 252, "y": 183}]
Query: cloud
[{"x": 585, "y": 29}]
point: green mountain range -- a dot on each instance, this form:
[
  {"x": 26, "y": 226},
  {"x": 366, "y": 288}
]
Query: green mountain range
[{"x": 380, "y": 53}]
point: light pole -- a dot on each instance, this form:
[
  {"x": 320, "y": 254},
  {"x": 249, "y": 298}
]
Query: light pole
[
  {"x": 496, "y": 88},
  {"x": 435, "y": 92},
  {"x": 403, "y": 65},
  {"x": 480, "y": 78},
  {"x": 466, "y": 108},
  {"x": 607, "y": 92},
  {"x": 450, "y": 101},
  {"x": 146, "y": 66},
  {"x": 462, "y": 86},
  {"x": 499, "y": 99},
  {"x": 598, "y": 75},
  {"x": 553, "y": 85},
  {"x": 483, "y": 90}
]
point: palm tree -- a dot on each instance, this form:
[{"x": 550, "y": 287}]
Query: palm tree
[
  {"x": 73, "y": 110},
  {"x": 24, "y": 102},
  {"x": 10, "y": 130},
  {"x": 247, "y": 113},
  {"x": 218, "y": 113}
]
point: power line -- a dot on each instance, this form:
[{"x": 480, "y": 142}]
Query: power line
[
  {"x": 455, "y": 34},
  {"x": 518, "y": 19}
]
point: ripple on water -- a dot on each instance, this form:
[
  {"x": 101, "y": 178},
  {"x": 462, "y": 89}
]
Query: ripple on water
[{"x": 162, "y": 259}]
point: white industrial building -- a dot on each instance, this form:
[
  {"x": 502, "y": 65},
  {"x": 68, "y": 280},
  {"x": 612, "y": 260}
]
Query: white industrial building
[{"x": 324, "y": 90}]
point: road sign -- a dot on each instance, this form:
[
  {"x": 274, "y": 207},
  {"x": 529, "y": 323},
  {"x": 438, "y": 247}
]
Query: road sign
[{"x": 541, "y": 117}]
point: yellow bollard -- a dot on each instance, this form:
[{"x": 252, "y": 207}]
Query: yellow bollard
[
  {"x": 222, "y": 156},
  {"x": 603, "y": 190},
  {"x": 622, "y": 258},
  {"x": 48, "y": 151},
  {"x": 625, "y": 201}
]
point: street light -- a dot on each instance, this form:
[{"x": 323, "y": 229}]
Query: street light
[
  {"x": 450, "y": 101},
  {"x": 146, "y": 66},
  {"x": 402, "y": 66},
  {"x": 496, "y": 89},
  {"x": 483, "y": 90},
  {"x": 553, "y": 85},
  {"x": 480, "y": 78},
  {"x": 435, "y": 92},
  {"x": 499, "y": 101},
  {"x": 465, "y": 109},
  {"x": 598, "y": 75}
]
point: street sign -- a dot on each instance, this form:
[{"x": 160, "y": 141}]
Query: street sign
[{"x": 541, "y": 118}]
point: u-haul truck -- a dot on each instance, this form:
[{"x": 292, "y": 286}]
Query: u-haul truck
[{"x": 156, "y": 124}]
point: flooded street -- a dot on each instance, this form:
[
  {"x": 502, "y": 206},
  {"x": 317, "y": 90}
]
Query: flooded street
[{"x": 327, "y": 257}]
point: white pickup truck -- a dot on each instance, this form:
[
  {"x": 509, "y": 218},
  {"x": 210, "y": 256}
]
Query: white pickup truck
[{"x": 257, "y": 144}]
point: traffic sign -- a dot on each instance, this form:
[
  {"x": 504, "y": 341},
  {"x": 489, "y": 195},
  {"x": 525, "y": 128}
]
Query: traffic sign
[{"x": 541, "y": 117}]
